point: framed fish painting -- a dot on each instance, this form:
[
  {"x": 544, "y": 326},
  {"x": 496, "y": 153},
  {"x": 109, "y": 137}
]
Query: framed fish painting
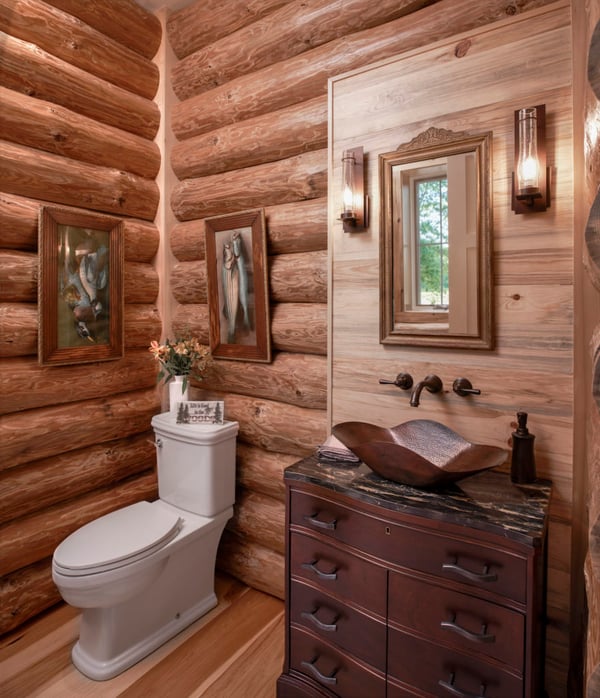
[
  {"x": 238, "y": 303},
  {"x": 80, "y": 287}
]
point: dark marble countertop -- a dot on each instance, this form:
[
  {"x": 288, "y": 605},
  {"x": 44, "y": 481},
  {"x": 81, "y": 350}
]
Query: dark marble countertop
[{"x": 488, "y": 501}]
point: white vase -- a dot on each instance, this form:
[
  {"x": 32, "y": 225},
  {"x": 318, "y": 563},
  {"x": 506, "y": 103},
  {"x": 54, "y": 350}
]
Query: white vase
[{"x": 176, "y": 394}]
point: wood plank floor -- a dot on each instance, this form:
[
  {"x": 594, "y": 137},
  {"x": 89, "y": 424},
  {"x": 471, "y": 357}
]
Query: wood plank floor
[{"x": 234, "y": 651}]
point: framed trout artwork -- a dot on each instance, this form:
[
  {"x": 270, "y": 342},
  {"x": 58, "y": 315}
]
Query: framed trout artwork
[
  {"x": 80, "y": 287},
  {"x": 238, "y": 302}
]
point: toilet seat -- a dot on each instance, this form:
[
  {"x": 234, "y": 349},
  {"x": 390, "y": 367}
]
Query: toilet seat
[{"x": 116, "y": 539}]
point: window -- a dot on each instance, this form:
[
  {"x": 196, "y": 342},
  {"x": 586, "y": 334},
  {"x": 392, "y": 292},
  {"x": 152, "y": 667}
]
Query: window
[
  {"x": 425, "y": 241},
  {"x": 431, "y": 243}
]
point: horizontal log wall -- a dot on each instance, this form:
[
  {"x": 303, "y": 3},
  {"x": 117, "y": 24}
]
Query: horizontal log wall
[
  {"x": 586, "y": 21},
  {"x": 78, "y": 122}
]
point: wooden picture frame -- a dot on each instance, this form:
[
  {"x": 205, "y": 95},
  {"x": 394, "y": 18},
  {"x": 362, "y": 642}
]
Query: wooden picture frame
[
  {"x": 238, "y": 303},
  {"x": 80, "y": 287}
]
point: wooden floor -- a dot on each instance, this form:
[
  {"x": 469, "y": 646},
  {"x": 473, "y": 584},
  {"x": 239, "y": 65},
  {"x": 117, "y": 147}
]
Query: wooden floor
[{"x": 234, "y": 651}]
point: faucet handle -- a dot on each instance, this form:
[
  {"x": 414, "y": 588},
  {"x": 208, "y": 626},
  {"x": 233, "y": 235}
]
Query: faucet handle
[
  {"x": 463, "y": 387},
  {"x": 402, "y": 380}
]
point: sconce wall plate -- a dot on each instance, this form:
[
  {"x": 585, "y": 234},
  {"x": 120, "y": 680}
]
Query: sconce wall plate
[
  {"x": 354, "y": 213},
  {"x": 531, "y": 199}
]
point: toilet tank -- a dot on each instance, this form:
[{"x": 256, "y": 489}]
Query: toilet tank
[{"x": 196, "y": 464}]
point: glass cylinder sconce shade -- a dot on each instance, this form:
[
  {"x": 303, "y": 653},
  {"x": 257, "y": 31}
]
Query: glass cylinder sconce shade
[
  {"x": 531, "y": 181},
  {"x": 528, "y": 167},
  {"x": 354, "y": 208}
]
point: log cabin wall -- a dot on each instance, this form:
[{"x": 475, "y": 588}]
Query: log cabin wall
[
  {"x": 78, "y": 120},
  {"x": 586, "y": 33},
  {"x": 251, "y": 130},
  {"x": 531, "y": 367},
  {"x": 251, "y": 127}
]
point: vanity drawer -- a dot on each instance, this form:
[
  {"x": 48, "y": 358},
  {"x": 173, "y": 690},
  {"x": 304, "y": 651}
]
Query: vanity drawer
[
  {"x": 443, "y": 672},
  {"x": 460, "y": 620},
  {"x": 338, "y": 623},
  {"x": 334, "y": 520},
  {"x": 478, "y": 565},
  {"x": 338, "y": 572},
  {"x": 333, "y": 669}
]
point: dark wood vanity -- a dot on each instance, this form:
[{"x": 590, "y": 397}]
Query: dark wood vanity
[{"x": 393, "y": 591}]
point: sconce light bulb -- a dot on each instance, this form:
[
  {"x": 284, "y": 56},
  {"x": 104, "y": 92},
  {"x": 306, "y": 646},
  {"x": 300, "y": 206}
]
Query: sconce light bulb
[
  {"x": 528, "y": 172},
  {"x": 348, "y": 199},
  {"x": 348, "y": 165},
  {"x": 528, "y": 169}
]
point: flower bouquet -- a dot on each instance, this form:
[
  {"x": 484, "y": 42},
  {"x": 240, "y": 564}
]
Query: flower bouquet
[{"x": 183, "y": 357}]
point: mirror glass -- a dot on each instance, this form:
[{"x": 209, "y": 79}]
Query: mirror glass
[{"x": 436, "y": 285}]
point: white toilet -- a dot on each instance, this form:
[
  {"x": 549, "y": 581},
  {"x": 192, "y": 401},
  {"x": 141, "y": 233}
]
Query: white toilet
[{"x": 143, "y": 573}]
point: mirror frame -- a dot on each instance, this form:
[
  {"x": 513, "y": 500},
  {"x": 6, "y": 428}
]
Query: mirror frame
[{"x": 431, "y": 144}]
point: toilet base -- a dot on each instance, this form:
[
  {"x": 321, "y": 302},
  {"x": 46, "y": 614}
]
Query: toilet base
[
  {"x": 115, "y": 638},
  {"x": 102, "y": 670}
]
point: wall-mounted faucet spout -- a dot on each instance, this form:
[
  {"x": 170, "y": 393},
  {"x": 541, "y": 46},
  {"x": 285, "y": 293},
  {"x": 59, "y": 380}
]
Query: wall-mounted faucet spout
[{"x": 433, "y": 384}]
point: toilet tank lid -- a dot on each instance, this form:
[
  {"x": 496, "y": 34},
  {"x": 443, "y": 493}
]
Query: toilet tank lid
[
  {"x": 121, "y": 534},
  {"x": 201, "y": 434}
]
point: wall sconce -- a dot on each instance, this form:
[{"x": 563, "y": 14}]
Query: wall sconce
[
  {"x": 531, "y": 178},
  {"x": 354, "y": 214}
]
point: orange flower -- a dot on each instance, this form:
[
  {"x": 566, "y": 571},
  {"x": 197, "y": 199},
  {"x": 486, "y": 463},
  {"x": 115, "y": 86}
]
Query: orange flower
[{"x": 183, "y": 357}]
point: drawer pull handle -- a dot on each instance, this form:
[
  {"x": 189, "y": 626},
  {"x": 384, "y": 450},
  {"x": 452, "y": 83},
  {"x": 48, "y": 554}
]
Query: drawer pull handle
[
  {"x": 451, "y": 688},
  {"x": 312, "y": 617},
  {"x": 483, "y": 636},
  {"x": 312, "y": 566},
  {"x": 485, "y": 576},
  {"x": 329, "y": 525},
  {"x": 329, "y": 680}
]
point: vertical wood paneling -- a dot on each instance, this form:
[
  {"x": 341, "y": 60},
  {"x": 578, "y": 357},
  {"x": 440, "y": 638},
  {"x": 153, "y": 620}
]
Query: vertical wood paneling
[{"x": 531, "y": 367}]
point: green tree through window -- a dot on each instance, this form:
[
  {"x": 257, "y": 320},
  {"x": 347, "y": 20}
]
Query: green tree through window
[{"x": 432, "y": 241}]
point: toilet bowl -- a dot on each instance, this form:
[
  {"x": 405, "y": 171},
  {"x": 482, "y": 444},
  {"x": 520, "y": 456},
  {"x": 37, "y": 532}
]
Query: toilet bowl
[{"x": 143, "y": 573}]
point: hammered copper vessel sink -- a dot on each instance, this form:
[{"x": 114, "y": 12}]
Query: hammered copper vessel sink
[{"x": 421, "y": 452}]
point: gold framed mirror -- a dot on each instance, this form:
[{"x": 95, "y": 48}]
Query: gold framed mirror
[{"x": 436, "y": 241}]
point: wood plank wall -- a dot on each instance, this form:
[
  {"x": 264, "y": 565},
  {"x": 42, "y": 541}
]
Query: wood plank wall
[
  {"x": 531, "y": 367},
  {"x": 77, "y": 123}
]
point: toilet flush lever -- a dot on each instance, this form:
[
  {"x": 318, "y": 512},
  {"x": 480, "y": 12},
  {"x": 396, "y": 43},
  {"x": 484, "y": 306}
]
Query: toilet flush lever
[{"x": 158, "y": 443}]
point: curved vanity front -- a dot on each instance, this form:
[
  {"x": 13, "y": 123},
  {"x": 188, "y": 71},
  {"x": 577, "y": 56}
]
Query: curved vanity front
[{"x": 396, "y": 591}]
